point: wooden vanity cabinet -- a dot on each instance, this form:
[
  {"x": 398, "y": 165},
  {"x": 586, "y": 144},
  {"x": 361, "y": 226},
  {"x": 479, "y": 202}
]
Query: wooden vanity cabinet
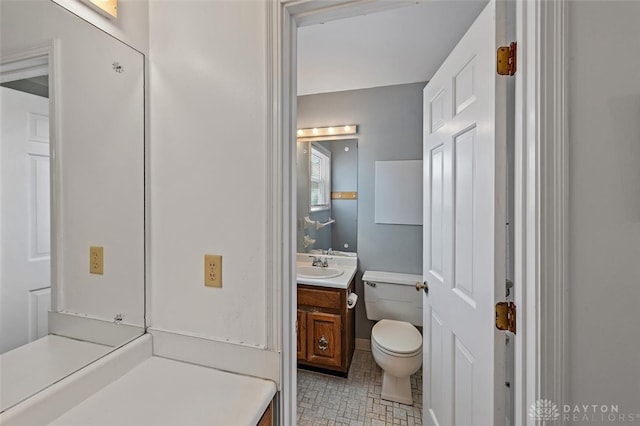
[
  {"x": 267, "y": 416},
  {"x": 325, "y": 328}
]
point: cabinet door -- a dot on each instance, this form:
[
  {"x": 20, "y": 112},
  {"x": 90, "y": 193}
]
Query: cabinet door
[
  {"x": 301, "y": 334},
  {"x": 324, "y": 339}
]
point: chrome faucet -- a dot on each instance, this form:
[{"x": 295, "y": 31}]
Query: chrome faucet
[{"x": 319, "y": 261}]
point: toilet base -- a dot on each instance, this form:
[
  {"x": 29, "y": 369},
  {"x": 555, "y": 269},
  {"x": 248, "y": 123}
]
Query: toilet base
[{"x": 396, "y": 389}]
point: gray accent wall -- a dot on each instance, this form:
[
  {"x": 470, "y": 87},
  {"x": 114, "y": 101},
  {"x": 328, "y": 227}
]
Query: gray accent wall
[{"x": 389, "y": 123}]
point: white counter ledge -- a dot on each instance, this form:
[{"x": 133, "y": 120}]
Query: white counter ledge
[
  {"x": 348, "y": 264},
  {"x": 32, "y": 367},
  {"x": 166, "y": 392}
]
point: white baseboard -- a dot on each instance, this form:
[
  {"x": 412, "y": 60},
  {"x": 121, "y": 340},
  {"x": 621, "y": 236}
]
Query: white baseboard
[
  {"x": 363, "y": 344},
  {"x": 222, "y": 355},
  {"x": 52, "y": 402},
  {"x": 92, "y": 330}
]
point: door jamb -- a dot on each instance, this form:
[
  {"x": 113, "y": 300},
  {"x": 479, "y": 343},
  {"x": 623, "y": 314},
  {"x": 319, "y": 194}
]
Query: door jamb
[{"x": 541, "y": 197}]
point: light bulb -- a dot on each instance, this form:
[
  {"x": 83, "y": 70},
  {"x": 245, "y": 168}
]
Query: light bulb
[
  {"x": 347, "y": 128},
  {"x": 300, "y": 132},
  {"x": 315, "y": 131},
  {"x": 330, "y": 129}
]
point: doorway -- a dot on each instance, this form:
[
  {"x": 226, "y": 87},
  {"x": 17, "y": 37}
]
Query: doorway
[
  {"x": 540, "y": 141},
  {"x": 328, "y": 124}
]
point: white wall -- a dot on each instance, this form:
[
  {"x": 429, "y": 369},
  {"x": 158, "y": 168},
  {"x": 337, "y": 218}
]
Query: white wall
[
  {"x": 604, "y": 221},
  {"x": 208, "y": 167},
  {"x": 101, "y": 153}
]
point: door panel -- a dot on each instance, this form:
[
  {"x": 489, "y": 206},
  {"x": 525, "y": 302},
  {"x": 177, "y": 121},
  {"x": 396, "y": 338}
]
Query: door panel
[
  {"x": 437, "y": 211},
  {"x": 39, "y": 307},
  {"x": 463, "y": 362},
  {"x": 464, "y": 214},
  {"x": 437, "y": 387},
  {"x": 464, "y": 232},
  {"x": 39, "y": 209},
  {"x": 464, "y": 86}
]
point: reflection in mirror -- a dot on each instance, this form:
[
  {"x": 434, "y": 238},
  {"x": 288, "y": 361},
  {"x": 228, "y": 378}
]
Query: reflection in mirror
[
  {"x": 327, "y": 182},
  {"x": 25, "y": 251},
  {"x": 71, "y": 177}
]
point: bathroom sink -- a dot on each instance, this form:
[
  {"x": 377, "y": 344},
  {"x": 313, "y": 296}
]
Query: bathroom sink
[{"x": 317, "y": 272}]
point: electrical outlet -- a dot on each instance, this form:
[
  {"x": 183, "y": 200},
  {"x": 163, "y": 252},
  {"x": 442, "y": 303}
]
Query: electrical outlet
[
  {"x": 212, "y": 270},
  {"x": 96, "y": 260}
]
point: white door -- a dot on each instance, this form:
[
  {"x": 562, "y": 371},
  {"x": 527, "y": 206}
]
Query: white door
[
  {"x": 464, "y": 230},
  {"x": 24, "y": 219}
]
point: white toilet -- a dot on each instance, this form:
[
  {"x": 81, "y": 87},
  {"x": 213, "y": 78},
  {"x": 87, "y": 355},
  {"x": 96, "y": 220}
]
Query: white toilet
[{"x": 391, "y": 299}]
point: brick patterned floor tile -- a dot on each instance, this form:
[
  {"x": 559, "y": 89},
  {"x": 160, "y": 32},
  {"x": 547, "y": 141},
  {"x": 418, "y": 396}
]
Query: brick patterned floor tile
[{"x": 326, "y": 400}]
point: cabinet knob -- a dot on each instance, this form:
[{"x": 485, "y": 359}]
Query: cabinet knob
[{"x": 323, "y": 344}]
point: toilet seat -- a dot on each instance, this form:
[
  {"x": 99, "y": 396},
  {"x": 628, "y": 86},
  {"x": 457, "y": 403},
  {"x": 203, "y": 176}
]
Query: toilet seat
[
  {"x": 398, "y": 338},
  {"x": 396, "y": 354}
]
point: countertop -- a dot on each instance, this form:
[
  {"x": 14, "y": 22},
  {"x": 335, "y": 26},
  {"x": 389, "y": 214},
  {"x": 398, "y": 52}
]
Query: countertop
[
  {"x": 160, "y": 391},
  {"x": 348, "y": 264},
  {"x": 34, "y": 366}
]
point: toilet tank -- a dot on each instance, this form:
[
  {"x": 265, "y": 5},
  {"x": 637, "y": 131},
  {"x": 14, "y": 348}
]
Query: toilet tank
[{"x": 392, "y": 295}]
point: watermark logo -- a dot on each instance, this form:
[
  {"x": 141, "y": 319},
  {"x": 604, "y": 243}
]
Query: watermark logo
[{"x": 544, "y": 410}]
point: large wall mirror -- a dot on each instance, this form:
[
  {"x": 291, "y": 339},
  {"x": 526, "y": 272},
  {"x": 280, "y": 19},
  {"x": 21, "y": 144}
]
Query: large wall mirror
[
  {"x": 72, "y": 196},
  {"x": 327, "y": 206}
]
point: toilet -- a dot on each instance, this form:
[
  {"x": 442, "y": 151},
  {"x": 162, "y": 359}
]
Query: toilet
[{"x": 396, "y": 344}]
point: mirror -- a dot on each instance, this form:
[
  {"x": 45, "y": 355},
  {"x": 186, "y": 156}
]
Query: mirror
[
  {"x": 72, "y": 178},
  {"x": 327, "y": 185}
]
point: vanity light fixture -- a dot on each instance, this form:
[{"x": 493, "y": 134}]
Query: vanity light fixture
[
  {"x": 315, "y": 132},
  {"x": 108, "y": 8}
]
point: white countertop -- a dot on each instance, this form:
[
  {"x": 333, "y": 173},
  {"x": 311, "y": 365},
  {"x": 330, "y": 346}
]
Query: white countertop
[
  {"x": 348, "y": 264},
  {"x": 34, "y": 366},
  {"x": 160, "y": 391}
]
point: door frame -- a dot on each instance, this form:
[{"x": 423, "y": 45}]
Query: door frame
[
  {"x": 541, "y": 205},
  {"x": 540, "y": 190}
]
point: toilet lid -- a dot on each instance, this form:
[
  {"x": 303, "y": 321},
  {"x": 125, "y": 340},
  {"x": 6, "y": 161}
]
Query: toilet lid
[{"x": 397, "y": 336}]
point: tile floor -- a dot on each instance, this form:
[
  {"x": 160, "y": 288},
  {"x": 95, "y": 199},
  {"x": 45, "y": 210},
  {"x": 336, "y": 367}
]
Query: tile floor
[{"x": 331, "y": 401}]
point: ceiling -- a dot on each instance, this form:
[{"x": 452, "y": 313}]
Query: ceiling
[
  {"x": 404, "y": 45},
  {"x": 38, "y": 85}
]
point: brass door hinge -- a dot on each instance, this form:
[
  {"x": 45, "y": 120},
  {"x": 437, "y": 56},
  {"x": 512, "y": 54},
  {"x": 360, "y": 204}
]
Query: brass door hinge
[
  {"x": 506, "y": 316},
  {"x": 506, "y": 59}
]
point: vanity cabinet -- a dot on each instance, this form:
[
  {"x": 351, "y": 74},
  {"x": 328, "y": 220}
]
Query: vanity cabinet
[
  {"x": 325, "y": 328},
  {"x": 267, "y": 416}
]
